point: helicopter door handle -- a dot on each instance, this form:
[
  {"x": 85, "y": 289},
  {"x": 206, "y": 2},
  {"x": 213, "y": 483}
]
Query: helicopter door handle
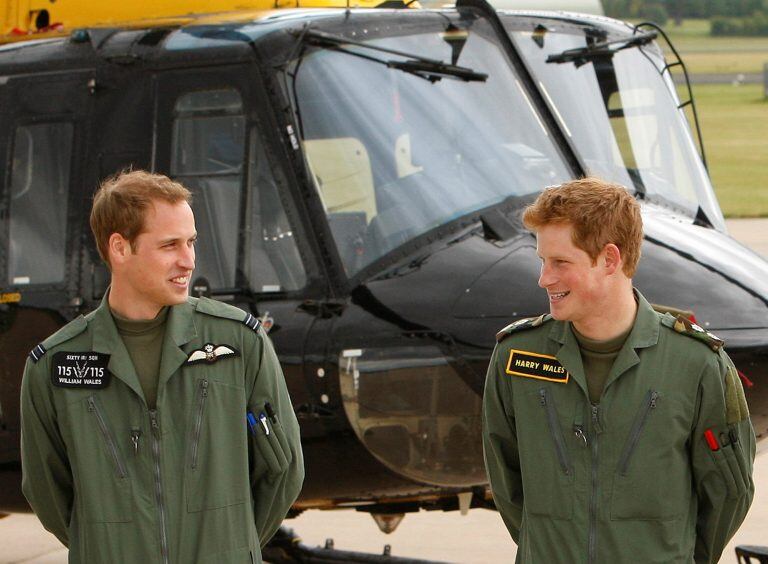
[{"x": 324, "y": 310}]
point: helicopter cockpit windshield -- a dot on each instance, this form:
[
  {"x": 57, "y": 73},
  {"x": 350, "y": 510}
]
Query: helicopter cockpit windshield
[
  {"x": 622, "y": 115},
  {"x": 396, "y": 153}
]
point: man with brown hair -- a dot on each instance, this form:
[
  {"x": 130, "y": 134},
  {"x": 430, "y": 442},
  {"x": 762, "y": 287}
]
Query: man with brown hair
[
  {"x": 612, "y": 433},
  {"x": 157, "y": 428}
]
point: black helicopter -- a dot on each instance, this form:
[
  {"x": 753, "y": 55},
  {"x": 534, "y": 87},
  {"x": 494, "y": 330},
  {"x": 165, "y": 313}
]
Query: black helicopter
[{"x": 359, "y": 176}]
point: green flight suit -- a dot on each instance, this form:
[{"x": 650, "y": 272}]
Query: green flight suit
[
  {"x": 188, "y": 482},
  {"x": 633, "y": 478}
]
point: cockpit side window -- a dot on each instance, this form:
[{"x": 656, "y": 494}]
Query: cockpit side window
[
  {"x": 208, "y": 150},
  {"x": 37, "y": 205},
  {"x": 272, "y": 259},
  {"x": 207, "y": 155}
]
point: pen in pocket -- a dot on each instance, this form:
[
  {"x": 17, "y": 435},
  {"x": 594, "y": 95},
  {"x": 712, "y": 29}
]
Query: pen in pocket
[
  {"x": 253, "y": 422},
  {"x": 270, "y": 412}
]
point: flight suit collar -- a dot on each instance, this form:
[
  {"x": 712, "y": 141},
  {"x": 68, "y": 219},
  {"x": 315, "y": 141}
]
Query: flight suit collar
[
  {"x": 179, "y": 331},
  {"x": 106, "y": 340},
  {"x": 568, "y": 352},
  {"x": 644, "y": 334}
]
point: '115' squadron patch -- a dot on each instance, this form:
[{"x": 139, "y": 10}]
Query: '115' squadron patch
[
  {"x": 80, "y": 370},
  {"x": 536, "y": 365}
]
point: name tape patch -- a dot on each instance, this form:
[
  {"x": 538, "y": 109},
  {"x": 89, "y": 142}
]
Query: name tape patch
[
  {"x": 80, "y": 370},
  {"x": 535, "y": 365}
]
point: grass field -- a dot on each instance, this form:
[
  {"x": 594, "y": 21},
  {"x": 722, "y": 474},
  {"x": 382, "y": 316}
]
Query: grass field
[
  {"x": 704, "y": 54},
  {"x": 734, "y": 124},
  {"x": 734, "y": 119}
]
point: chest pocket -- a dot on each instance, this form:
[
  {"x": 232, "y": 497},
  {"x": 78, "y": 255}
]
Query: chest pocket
[
  {"x": 216, "y": 462},
  {"x": 652, "y": 479},
  {"x": 98, "y": 454},
  {"x": 546, "y": 452}
]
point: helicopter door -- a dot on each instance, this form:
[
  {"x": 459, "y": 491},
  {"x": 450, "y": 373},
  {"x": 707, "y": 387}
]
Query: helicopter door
[{"x": 42, "y": 122}]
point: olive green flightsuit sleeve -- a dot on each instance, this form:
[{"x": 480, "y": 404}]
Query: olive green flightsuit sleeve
[
  {"x": 46, "y": 474},
  {"x": 722, "y": 452},
  {"x": 502, "y": 461},
  {"x": 277, "y": 463}
]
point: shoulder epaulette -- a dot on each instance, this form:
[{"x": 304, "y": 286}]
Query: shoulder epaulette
[
  {"x": 225, "y": 311},
  {"x": 673, "y": 311},
  {"x": 69, "y": 331},
  {"x": 685, "y": 326},
  {"x": 736, "y": 408},
  {"x": 521, "y": 325}
]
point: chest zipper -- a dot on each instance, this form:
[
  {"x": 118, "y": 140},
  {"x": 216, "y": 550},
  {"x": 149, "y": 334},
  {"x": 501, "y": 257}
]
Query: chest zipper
[
  {"x": 197, "y": 428},
  {"x": 597, "y": 428},
  {"x": 155, "y": 426},
  {"x": 553, "y": 422},
  {"x": 649, "y": 404},
  {"x": 108, "y": 439}
]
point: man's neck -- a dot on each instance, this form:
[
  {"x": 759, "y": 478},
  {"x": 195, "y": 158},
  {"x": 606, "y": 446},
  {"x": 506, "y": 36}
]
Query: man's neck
[
  {"x": 613, "y": 317},
  {"x": 122, "y": 302}
]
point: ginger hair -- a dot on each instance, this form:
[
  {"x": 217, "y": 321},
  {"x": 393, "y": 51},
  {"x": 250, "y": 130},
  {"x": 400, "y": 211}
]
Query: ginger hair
[{"x": 599, "y": 212}]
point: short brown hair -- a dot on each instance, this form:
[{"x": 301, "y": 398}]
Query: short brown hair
[
  {"x": 599, "y": 212},
  {"x": 120, "y": 205}
]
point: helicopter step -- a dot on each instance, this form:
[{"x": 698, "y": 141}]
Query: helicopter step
[{"x": 286, "y": 548}]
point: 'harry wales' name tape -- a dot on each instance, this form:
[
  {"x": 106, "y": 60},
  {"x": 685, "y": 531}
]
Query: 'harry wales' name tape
[{"x": 535, "y": 365}]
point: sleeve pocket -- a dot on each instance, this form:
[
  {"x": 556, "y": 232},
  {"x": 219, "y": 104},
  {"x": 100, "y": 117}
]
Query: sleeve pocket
[
  {"x": 726, "y": 460},
  {"x": 272, "y": 446}
]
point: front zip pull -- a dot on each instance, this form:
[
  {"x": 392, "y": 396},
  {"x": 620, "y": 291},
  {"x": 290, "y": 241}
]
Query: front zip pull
[
  {"x": 597, "y": 425},
  {"x": 153, "y": 420},
  {"x": 135, "y": 436}
]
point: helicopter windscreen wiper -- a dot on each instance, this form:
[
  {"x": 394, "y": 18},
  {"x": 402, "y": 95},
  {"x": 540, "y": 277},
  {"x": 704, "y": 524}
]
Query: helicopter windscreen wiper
[
  {"x": 583, "y": 55},
  {"x": 423, "y": 67}
]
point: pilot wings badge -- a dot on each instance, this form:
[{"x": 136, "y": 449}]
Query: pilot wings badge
[{"x": 210, "y": 353}]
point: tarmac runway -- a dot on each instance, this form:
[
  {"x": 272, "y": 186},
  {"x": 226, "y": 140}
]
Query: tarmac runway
[{"x": 477, "y": 538}]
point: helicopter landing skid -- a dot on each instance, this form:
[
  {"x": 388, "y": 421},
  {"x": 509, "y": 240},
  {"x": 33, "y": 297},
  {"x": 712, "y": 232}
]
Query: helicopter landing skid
[{"x": 286, "y": 548}]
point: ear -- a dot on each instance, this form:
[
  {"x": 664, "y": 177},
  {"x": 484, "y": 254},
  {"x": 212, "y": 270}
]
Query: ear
[
  {"x": 613, "y": 260},
  {"x": 119, "y": 248}
]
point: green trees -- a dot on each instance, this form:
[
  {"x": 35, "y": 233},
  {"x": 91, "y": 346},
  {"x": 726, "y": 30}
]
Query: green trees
[{"x": 729, "y": 17}]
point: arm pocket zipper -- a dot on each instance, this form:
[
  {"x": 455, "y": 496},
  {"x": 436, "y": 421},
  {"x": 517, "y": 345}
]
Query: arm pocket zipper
[
  {"x": 93, "y": 407},
  {"x": 198, "y": 424},
  {"x": 553, "y": 422},
  {"x": 648, "y": 405}
]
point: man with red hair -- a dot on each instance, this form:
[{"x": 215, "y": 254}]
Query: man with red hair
[{"x": 612, "y": 433}]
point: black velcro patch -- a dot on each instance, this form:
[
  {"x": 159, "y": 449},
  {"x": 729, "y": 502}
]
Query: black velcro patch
[
  {"x": 80, "y": 370},
  {"x": 251, "y": 322},
  {"x": 37, "y": 353},
  {"x": 535, "y": 365}
]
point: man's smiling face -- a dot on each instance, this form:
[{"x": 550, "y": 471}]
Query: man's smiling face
[
  {"x": 574, "y": 284},
  {"x": 159, "y": 267}
]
